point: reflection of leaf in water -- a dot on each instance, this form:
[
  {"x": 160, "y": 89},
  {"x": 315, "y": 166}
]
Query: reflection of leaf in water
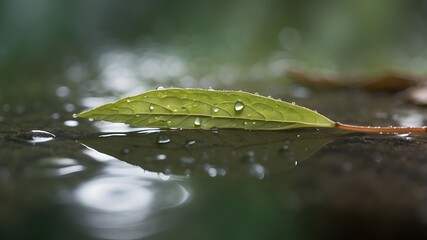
[{"x": 225, "y": 152}]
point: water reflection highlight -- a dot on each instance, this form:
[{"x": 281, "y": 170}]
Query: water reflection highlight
[{"x": 122, "y": 207}]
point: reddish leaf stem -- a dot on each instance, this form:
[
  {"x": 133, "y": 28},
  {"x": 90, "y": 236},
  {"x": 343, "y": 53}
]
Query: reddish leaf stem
[{"x": 390, "y": 129}]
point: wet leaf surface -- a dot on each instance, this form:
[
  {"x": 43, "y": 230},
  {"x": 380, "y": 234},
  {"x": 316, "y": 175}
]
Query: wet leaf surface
[{"x": 206, "y": 109}]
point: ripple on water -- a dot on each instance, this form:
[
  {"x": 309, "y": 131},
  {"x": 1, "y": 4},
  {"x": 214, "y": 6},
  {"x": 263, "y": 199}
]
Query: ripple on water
[
  {"x": 54, "y": 167},
  {"x": 121, "y": 207}
]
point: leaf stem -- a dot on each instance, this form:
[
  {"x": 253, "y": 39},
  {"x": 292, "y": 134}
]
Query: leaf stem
[{"x": 390, "y": 129}]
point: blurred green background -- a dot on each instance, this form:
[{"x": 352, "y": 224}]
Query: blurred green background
[
  {"x": 206, "y": 43},
  {"x": 60, "y": 57}
]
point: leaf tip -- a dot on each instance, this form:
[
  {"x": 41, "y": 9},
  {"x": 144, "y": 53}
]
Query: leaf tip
[{"x": 81, "y": 114}]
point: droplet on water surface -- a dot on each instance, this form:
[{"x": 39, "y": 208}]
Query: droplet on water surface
[
  {"x": 189, "y": 142},
  {"x": 222, "y": 171},
  {"x": 212, "y": 172},
  {"x": 187, "y": 160},
  {"x": 257, "y": 170},
  {"x": 249, "y": 157},
  {"x": 161, "y": 157},
  {"x": 71, "y": 123},
  {"x": 163, "y": 139},
  {"x": 214, "y": 130},
  {"x": 238, "y": 106},
  {"x": 197, "y": 122},
  {"x": 39, "y": 136}
]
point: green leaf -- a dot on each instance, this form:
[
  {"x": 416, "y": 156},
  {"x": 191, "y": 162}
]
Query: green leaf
[{"x": 206, "y": 109}]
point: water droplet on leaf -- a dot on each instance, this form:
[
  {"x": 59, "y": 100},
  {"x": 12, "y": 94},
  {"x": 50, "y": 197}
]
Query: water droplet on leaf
[
  {"x": 197, "y": 122},
  {"x": 184, "y": 109},
  {"x": 151, "y": 107},
  {"x": 238, "y": 106}
]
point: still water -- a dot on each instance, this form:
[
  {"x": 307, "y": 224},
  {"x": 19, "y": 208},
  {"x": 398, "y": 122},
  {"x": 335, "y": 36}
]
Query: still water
[{"x": 66, "y": 178}]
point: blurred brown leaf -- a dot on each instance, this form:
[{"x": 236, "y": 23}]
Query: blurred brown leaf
[
  {"x": 387, "y": 82},
  {"x": 417, "y": 94}
]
